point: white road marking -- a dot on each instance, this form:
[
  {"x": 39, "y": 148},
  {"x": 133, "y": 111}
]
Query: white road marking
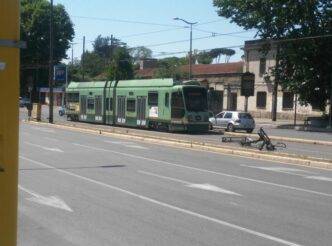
[
  {"x": 166, "y": 205},
  {"x": 207, "y": 171},
  {"x": 126, "y": 144},
  {"x": 135, "y": 146},
  {"x": 51, "y": 139},
  {"x": 291, "y": 171},
  {"x": 51, "y": 201},
  {"x": 322, "y": 178},
  {"x": 45, "y": 148},
  {"x": 43, "y": 129},
  {"x": 207, "y": 187}
]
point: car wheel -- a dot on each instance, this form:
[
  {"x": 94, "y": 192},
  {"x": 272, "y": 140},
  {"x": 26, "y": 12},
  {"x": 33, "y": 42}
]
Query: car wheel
[
  {"x": 211, "y": 127},
  {"x": 250, "y": 130},
  {"x": 230, "y": 128}
]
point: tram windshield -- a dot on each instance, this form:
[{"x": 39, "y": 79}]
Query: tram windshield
[
  {"x": 72, "y": 97},
  {"x": 195, "y": 99}
]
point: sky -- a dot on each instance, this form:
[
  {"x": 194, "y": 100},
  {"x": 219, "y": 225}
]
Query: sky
[{"x": 150, "y": 23}]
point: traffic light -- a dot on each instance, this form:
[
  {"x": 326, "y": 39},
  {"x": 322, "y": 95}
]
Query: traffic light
[{"x": 9, "y": 94}]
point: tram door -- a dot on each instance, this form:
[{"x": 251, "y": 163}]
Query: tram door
[
  {"x": 121, "y": 110},
  {"x": 98, "y": 109},
  {"x": 141, "y": 111},
  {"x": 83, "y": 102}
]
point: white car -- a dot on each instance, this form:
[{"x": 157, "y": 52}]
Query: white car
[{"x": 233, "y": 120}]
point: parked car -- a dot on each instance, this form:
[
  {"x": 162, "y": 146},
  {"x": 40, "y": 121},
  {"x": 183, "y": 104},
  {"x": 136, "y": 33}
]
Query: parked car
[
  {"x": 24, "y": 101},
  {"x": 233, "y": 120},
  {"x": 62, "y": 111}
]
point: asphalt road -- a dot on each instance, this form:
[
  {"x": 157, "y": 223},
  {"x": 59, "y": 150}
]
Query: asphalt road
[{"x": 83, "y": 189}]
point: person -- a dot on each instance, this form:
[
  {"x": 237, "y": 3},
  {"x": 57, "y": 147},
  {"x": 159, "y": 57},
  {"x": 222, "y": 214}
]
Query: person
[{"x": 29, "y": 108}]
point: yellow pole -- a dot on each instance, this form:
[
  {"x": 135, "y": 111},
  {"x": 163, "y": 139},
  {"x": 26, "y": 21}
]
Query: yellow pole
[{"x": 9, "y": 94}]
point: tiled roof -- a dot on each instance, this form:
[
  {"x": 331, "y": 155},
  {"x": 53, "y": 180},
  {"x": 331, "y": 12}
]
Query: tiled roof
[
  {"x": 201, "y": 69},
  {"x": 221, "y": 68}
]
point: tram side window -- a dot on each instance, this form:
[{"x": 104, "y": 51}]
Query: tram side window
[
  {"x": 177, "y": 105},
  {"x": 91, "y": 104},
  {"x": 167, "y": 99},
  {"x": 131, "y": 105},
  {"x": 109, "y": 104},
  {"x": 153, "y": 99}
]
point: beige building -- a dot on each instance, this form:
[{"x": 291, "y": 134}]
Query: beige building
[{"x": 260, "y": 105}]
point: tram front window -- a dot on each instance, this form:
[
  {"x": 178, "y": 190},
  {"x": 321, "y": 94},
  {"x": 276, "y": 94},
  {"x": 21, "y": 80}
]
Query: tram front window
[
  {"x": 177, "y": 105},
  {"x": 196, "y": 99}
]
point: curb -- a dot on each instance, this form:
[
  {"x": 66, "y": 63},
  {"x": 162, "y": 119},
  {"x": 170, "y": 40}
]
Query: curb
[{"x": 255, "y": 154}]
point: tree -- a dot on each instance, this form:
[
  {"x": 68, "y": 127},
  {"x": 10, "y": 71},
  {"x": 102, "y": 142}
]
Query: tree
[
  {"x": 74, "y": 71},
  {"x": 104, "y": 47},
  {"x": 217, "y": 53},
  {"x": 121, "y": 66},
  {"x": 35, "y": 15},
  {"x": 304, "y": 64},
  {"x": 140, "y": 53},
  {"x": 204, "y": 58},
  {"x": 170, "y": 67},
  {"x": 93, "y": 64}
]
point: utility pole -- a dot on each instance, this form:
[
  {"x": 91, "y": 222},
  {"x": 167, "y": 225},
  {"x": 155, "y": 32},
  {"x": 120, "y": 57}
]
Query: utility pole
[
  {"x": 275, "y": 89},
  {"x": 330, "y": 118},
  {"x": 50, "y": 72},
  {"x": 191, "y": 42},
  {"x": 83, "y": 58},
  {"x": 295, "y": 110},
  {"x": 112, "y": 50},
  {"x": 72, "y": 53}
]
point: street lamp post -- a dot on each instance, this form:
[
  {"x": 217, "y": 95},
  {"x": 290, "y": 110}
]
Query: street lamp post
[
  {"x": 191, "y": 42},
  {"x": 50, "y": 75}
]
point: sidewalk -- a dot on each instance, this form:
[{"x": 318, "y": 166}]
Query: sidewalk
[{"x": 289, "y": 124}]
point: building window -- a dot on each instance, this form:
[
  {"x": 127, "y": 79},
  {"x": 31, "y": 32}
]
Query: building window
[
  {"x": 131, "y": 105},
  {"x": 262, "y": 66},
  {"x": 288, "y": 100},
  {"x": 91, "y": 103},
  {"x": 261, "y": 99},
  {"x": 153, "y": 99},
  {"x": 167, "y": 99}
]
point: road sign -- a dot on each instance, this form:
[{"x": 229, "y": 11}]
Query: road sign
[
  {"x": 60, "y": 73},
  {"x": 247, "y": 84}
]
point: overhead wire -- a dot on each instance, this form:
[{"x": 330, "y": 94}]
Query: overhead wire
[{"x": 125, "y": 21}]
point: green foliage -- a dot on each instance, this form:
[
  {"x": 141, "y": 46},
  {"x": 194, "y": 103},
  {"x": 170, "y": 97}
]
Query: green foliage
[
  {"x": 305, "y": 64},
  {"x": 217, "y": 53},
  {"x": 34, "y": 26},
  {"x": 170, "y": 68},
  {"x": 93, "y": 64},
  {"x": 35, "y": 15},
  {"x": 74, "y": 71},
  {"x": 204, "y": 58},
  {"x": 121, "y": 66},
  {"x": 139, "y": 53}
]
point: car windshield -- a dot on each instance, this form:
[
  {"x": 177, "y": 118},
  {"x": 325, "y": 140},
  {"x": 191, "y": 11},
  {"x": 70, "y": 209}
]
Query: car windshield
[
  {"x": 195, "y": 98},
  {"x": 245, "y": 116}
]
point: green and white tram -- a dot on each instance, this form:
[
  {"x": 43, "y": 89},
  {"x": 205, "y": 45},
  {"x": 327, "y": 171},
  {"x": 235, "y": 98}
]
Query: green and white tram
[{"x": 153, "y": 103}]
